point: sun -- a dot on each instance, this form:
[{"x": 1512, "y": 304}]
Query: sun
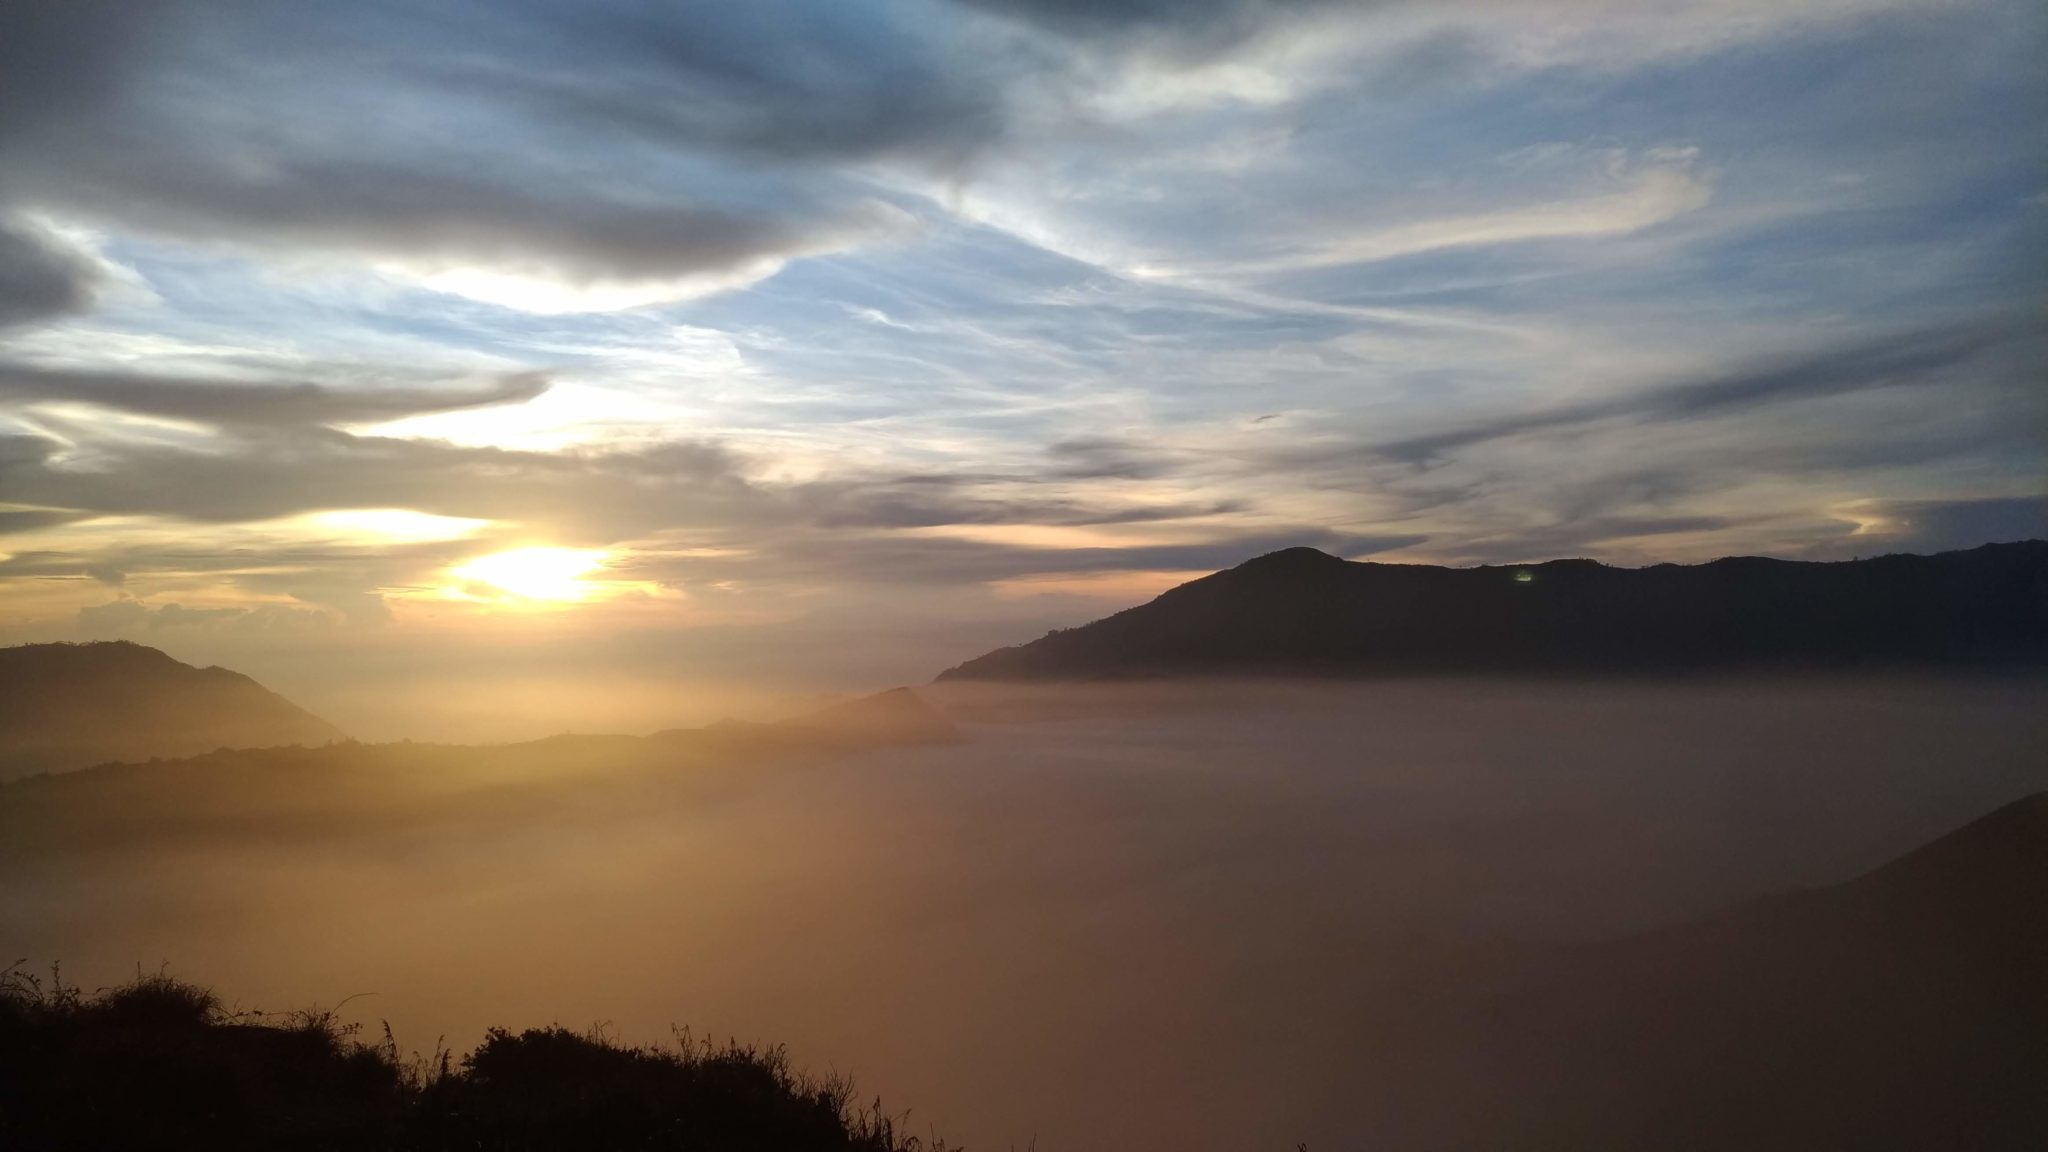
[{"x": 535, "y": 573}]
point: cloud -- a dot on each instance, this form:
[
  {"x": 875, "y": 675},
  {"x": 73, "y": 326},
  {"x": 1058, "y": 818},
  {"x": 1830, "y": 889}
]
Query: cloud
[
  {"x": 1655, "y": 197},
  {"x": 266, "y": 471},
  {"x": 41, "y": 277},
  {"x": 128, "y": 617},
  {"x": 14, "y": 521},
  {"x": 1910, "y": 358},
  {"x": 24, "y": 451},
  {"x": 1107, "y": 458},
  {"x": 557, "y": 158},
  {"x": 1542, "y": 32},
  {"x": 1939, "y": 525},
  {"x": 460, "y": 233},
  {"x": 890, "y": 560},
  {"x": 60, "y": 63},
  {"x": 941, "y": 500},
  {"x": 1515, "y": 263},
  {"x": 803, "y": 80},
  {"x": 1208, "y": 24},
  {"x": 498, "y": 151},
  {"x": 256, "y": 403}
]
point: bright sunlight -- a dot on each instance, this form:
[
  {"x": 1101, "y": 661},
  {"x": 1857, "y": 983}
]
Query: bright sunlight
[{"x": 535, "y": 573}]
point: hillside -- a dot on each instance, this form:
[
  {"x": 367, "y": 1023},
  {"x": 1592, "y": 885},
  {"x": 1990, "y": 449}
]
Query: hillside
[
  {"x": 1903, "y": 1009},
  {"x": 159, "y": 1064},
  {"x": 1304, "y": 612},
  {"x": 72, "y": 705}
]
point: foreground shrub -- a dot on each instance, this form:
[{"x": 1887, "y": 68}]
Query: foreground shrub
[{"x": 160, "y": 1064}]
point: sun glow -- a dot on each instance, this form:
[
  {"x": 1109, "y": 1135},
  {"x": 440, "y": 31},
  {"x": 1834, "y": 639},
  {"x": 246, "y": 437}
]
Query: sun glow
[{"x": 535, "y": 573}]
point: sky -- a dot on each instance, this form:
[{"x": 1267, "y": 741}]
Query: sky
[{"x": 825, "y": 345}]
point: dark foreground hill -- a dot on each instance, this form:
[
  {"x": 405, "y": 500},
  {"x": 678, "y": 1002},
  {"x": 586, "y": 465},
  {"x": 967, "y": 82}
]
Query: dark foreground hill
[
  {"x": 71, "y": 705},
  {"x": 1904, "y": 1009},
  {"x": 158, "y": 1064},
  {"x": 1307, "y": 613}
]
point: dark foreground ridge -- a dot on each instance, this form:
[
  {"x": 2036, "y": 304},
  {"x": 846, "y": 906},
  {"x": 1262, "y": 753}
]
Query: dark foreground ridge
[
  {"x": 72, "y": 705},
  {"x": 1303, "y": 612},
  {"x": 160, "y": 1064}
]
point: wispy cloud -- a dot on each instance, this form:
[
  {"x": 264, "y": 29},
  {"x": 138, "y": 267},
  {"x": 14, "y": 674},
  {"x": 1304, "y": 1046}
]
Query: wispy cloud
[
  {"x": 256, "y": 403},
  {"x": 1891, "y": 361},
  {"x": 1655, "y": 197}
]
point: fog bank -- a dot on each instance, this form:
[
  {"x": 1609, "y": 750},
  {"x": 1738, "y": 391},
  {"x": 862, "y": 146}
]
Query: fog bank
[{"x": 1113, "y": 917}]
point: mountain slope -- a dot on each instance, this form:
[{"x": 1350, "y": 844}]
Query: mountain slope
[
  {"x": 1304, "y": 612},
  {"x": 160, "y": 1064},
  {"x": 1907, "y": 1008},
  {"x": 898, "y": 716},
  {"x": 71, "y": 705},
  {"x": 345, "y": 789}
]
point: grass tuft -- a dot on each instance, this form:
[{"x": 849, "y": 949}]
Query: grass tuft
[{"x": 160, "y": 1063}]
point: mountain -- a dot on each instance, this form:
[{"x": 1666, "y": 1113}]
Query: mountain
[
  {"x": 72, "y": 705},
  {"x": 1907, "y": 1008},
  {"x": 1305, "y": 612},
  {"x": 896, "y": 717},
  {"x": 343, "y": 789}
]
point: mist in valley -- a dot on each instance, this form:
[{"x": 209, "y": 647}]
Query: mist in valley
[{"x": 1106, "y": 916}]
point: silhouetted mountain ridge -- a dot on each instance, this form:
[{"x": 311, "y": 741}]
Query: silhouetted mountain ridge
[
  {"x": 73, "y": 705},
  {"x": 1301, "y": 611},
  {"x": 1905, "y": 1008}
]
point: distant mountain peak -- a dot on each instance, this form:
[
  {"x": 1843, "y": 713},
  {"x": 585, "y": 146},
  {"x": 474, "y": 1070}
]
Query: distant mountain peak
[
  {"x": 73, "y": 705},
  {"x": 897, "y": 716},
  {"x": 1298, "y": 557},
  {"x": 1301, "y": 611}
]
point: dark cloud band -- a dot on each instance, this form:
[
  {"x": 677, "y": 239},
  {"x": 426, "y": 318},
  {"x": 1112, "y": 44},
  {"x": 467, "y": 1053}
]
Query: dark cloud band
[{"x": 256, "y": 404}]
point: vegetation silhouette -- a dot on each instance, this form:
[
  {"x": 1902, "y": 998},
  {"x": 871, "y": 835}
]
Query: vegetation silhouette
[
  {"x": 72, "y": 705},
  {"x": 1304, "y": 612},
  {"x": 158, "y": 1063}
]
